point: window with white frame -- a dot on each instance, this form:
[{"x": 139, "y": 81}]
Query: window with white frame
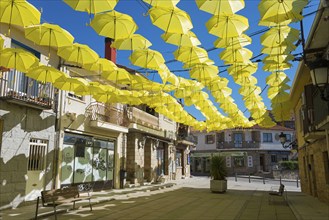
[
  {"x": 267, "y": 137},
  {"x": 210, "y": 139}
]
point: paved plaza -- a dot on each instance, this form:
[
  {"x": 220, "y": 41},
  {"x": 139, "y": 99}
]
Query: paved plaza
[{"x": 189, "y": 199}]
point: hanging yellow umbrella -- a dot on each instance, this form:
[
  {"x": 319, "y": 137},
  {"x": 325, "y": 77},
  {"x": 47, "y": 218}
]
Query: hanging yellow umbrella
[
  {"x": 133, "y": 42},
  {"x": 80, "y": 54},
  {"x": 233, "y": 42},
  {"x": 119, "y": 75},
  {"x": 101, "y": 65},
  {"x": 222, "y": 94},
  {"x": 250, "y": 80},
  {"x": 276, "y": 12},
  {"x": 114, "y": 25},
  {"x": 191, "y": 55},
  {"x": 147, "y": 58},
  {"x": 18, "y": 59},
  {"x": 92, "y": 6},
  {"x": 274, "y": 90},
  {"x": 189, "y": 39},
  {"x": 162, "y": 3},
  {"x": 97, "y": 88},
  {"x": 108, "y": 97},
  {"x": 280, "y": 35},
  {"x": 270, "y": 67},
  {"x": 247, "y": 90},
  {"x": 18, "y": 12},
  {"x": 172, "y": 20},
  {"x": 204, "y": 72},
  {"x": 69, "y": 83},
  {"x": 242, "y": 55},
  {"x": 50, "y": 35},
  {"x": 280, "y": 97},
  {"x": 225, "y": 26},
  {"x": 238, "y": 68},
  {"x": 182, "y": 93},
  {"x": 220, "y": 7},
  {"x": 279, "y": 49},
  {"x": 276, "y": 78},
  {"x": 2, "y": 42},
  {"x": 44, "y": 74},
  {"x": 279, "y": 58}
]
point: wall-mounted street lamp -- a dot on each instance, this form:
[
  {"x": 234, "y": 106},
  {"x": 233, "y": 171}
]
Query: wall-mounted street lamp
[
  {"x": 283, "y": 140},
  {"x": 319, "y": 69}
]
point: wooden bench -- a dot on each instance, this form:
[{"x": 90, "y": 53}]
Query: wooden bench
[
  {"x": 55, "y": 197},
  {"x": 281, "y": 192}
]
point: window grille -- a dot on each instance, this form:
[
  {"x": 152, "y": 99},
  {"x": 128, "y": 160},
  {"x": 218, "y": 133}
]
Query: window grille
[{"x": 37, "y": 154}]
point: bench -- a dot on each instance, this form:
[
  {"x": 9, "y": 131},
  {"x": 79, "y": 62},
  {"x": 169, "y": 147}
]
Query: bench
[
  {"x": 55, "y": 197},
  {"x": 281, "y": 192}
]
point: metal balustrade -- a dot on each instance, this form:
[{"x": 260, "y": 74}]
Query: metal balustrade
[{"x": 105, "y": 113}]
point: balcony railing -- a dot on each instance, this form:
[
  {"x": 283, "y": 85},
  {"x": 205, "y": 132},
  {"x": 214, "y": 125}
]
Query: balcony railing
[
  {"x": 141, "y": 117},
  {"x": 17, "y": 88},
  {"x": 189, "y": 138},
  {"x": 104, "y": 113}
]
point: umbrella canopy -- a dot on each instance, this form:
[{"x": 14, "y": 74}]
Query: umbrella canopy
[
  {"x": 133, "y": 42},
  {"x": 118, "y": 76},
  {"x": 80, "y": 54},
  {"x": 92, "y": 6},
  {"x": 69, "y": 83},
  {"x": 225, "y": 26},
  {"x": 247, "y": 90},
  {"x": 238, "y": 68},
  {"x": 280, "y": 35},
  {"x": 270, "y": 67},
  {"x": 44, "y": 74},
  {"x": 204, "y": 72},
  {"x": 18, "y": 12},
  {"x": 172, "y": 20},
  {"x": 191, "y": 55},
  {"x": 18, "y": 59},
  {"x": 162, "y": 3},
  {"x": 101, "y": 65},
  {"x": 189, "y": 39},
  {"x": 233, "y": 42},
  {"x": 276, "y": 12},
  {"x": 2, "y": 41},
  {"x": 286, "y": 49},
  {"x": 242, "y": 55},
  {"x": 278, "y": 58},
  {"x": 279, "y": 97},
  {"x": 147, "y": 58},
  {"x": 244, "y": 81},
  {"x": 276, "y": 78},
  {"x": 114, "y": 25},
  {"x": 220, "y": 7}
]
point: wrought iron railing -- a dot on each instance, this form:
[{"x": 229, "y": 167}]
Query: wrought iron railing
[
  {"x": 189, "y": 137},
  {"x": 14, "y": 85},
  {"x": 105, "y": 113}
]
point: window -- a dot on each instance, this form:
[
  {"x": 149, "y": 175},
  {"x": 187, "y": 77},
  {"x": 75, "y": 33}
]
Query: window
[
  {"x": 284, "y": 158},
  {"x": 37, "y": 154},
  {"x": 288, "y": 137},
  {"x": 239, "y": 161},
  {"x": 237, "y": 139},
  {"x": 273, "y": 159},
  {"x": 178, "y": 159},
  {"x": 210, "y": 139},
  {"x": 267, "y": 137},
  {"x": 72, "y": 95}
]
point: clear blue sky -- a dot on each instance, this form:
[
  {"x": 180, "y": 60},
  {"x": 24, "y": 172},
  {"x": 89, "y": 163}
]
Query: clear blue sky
[{"x": 57, "y": 12}]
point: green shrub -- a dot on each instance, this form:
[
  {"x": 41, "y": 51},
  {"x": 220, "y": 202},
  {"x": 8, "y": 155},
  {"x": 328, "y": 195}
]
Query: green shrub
[
  {"x": 289, "y": 165},
  {"x": 218, "y": 169}
]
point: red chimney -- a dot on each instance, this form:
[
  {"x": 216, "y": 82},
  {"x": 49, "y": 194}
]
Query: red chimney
[{"x": 110, "y": 53}]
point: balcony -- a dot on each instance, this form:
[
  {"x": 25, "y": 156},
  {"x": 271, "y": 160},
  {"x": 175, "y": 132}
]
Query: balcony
[
  {"x": 106, "y": 117},
  {"x": 16, "y": 88},
  {"x": 321, "y": 108},
  {"x": 188, "y": 139},
  {"x": 140, "y": 117}
]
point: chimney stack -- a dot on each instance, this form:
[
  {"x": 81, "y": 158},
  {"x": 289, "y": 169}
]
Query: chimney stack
[{"x": 110, "y": 53}]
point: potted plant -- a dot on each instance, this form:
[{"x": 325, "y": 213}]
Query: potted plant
[{"x": 218, "y": 173}]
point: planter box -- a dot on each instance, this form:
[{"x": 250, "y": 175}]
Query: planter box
[{"x": 218, "y": 186}]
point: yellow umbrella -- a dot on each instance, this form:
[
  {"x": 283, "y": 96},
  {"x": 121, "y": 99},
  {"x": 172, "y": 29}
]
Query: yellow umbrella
[
  {"x": 280, "y": 35},
  {"x": 97, "y": 88},
  {"x": 182, "y": 93},
  {"x": 279, "y": 49},
  {"x": 274, "y": 90},
  {"x": 250, "y": 80},
  {"x": 206, "y": 61},
  {"x": 222, "y": 94},
  {"x": 69, "y": 83},
  {"x": 276, "y": 78},
  {"x": 147, "y": 58},
  {"x": 233, "y": 42},
  {"x": 108, "y": 97},
  {"x": 247, "y": 90},
  {"x": 18, "y": 59},
  {"x": 222, "y": 7},
  {"x": 172, "y": 20},
  {"x": 189, "y": 39},
  {"x": 191, "y": 55},
  {"x": 18, "y": 12},
  {"x": 114, "y": 25},
  {"x": 101, "y": 65},
  {"x": 133, "y": 42},
  {"x": 204, "y": 72},
  {"x": 242, "y": 55},
  {"x": 2, "y": 41},
  {"x": 92, "y": 6},
  {"x": 119, "y": 75},
  {"x": 80, "y": 54},
  {"x": 50, "y": 35},
  {"x": 279, "y": 58},
  {"x": 225, "y": 26},
  {"x": 162, "y": 3},
  {"x": 44, "y": 74},
  {"x": 279, "y": 98},
  {"x": 238, "y": 68},
  {"x": 218, "y": 84},
  {"x": 270, "y": 67},
  {"x": 280, "y": 11}
]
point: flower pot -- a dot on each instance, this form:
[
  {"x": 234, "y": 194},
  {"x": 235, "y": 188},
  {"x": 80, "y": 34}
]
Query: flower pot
[{"x": 218, "y": 186}]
